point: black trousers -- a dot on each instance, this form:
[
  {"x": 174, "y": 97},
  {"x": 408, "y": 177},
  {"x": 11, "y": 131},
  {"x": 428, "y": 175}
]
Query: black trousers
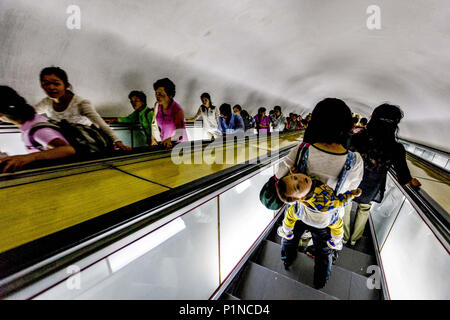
[{"x": 323, "y": 253}]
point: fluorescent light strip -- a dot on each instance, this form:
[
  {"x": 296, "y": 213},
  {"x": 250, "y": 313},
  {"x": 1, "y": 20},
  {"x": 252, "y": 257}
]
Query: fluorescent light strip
[
  {"x": 241, "y": 187},
  {"x": 127, "y": 255}
]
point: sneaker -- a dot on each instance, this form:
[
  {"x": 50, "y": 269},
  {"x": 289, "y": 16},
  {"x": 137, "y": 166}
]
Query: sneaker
[
  {"x": 333, "y": 245},
  {"x": 306, "y": 235},
  {"x": 282, "y": 234}
]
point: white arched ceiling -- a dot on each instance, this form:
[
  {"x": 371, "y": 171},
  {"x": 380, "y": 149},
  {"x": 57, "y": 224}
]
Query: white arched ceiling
[{"x": 253, "y": 52}]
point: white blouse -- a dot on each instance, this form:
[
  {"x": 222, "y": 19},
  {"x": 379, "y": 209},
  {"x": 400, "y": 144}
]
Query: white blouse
[
  {"x": 326, "y": 167},
  {"x": 79, "y": 111}
]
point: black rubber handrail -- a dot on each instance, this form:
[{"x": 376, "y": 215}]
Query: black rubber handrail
[{"x": 95, "y": 162}]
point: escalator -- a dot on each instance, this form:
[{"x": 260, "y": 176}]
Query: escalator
[
  {"x": 354, "y": 274},
  {"x": 134, "y": 227},
  {"x": 265, "y": 278}
]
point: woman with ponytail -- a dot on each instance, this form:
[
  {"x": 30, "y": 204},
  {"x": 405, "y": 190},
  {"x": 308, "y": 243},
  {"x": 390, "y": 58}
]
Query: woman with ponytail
[{"x": 380, "y": 151}]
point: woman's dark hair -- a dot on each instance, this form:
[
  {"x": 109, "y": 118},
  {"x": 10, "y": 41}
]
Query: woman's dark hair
[
  {"x": 260, "y": 112},
  {"x": 277, "y": 108},
  {"x": 331, "y": 122},
  {"x": 15, "y": 107},
  {"x": 237, "y": 107},
  {"x": 378, "y": 143},
  {"x": 383, "y": 124},
  {"x": 167, "y": 84},
  {"x": 244, "y": 114},
  {"x": 388, "y": 112},
  {"x": 57, "y": 71},
  {"x": 207, "y": 96},
  {"x": 225, "y": 109},
  {"x": 141, "y": 95}
]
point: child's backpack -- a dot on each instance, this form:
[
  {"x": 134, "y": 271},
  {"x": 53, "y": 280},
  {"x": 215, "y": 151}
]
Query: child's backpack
[{"x": 86, "y": 140}]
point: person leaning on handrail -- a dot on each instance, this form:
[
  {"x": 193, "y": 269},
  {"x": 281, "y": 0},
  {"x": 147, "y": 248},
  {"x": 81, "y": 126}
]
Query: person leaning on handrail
[
  {"x": 262, "y": 121},
  {"x": 210, "y": 116},
  {"x": 53, "y": 145},
  {"x": 61, "y": 103},
  {"x": 170, "y": 115},
  {"x": 142, "y": 114},
  {"x": 230, "y": 123}
]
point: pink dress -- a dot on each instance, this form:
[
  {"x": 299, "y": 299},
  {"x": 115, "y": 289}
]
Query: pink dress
[
  {"x": 265, "y": 122},
  {"x": 172, "y": 123}
]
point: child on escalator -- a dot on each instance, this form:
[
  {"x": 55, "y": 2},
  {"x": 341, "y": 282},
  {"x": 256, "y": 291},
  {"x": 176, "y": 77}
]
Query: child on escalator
[{"x": 318, "y": 197}]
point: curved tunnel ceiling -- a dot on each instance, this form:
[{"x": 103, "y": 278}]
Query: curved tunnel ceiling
[{"x": 253, "y": 52}]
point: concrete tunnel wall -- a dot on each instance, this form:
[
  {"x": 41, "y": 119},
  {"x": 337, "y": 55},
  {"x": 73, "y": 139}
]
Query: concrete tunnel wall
[{"x": 291, "y": 53}]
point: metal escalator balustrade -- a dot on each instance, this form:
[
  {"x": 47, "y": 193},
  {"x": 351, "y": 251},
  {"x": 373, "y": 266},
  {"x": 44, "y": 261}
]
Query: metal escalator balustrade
[
  {"x": 437, "y": 157},
  {"x": 412, "y": 243},
  {"x": 411, "y": 258},
  {"x": 37, "y": 276},
  {"x": 195, "y": 250}
]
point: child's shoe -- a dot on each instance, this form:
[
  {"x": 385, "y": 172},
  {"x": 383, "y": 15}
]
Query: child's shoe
[
  {"x": 287, "y": 235},
  {"x": 306, "y": 235},
  {"x": 334, "y": 245}
]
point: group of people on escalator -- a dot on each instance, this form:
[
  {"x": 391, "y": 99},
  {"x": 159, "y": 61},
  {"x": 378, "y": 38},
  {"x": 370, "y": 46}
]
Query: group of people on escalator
[
  {"x": 73, "y": 126},
  {"x": 336, "y": 163},
  {"x": 334, "y": 166},
  {"x": 49, "y": 133}
]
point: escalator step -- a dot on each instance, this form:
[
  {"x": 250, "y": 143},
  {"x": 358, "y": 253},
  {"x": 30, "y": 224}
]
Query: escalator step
[
  {"x": 364, "y": 245},
  {"x": 260, "y": 283},
  {"x": 355, "y": 258},
  {"x": 343, "y": 284},
  {"x": 355, "y": 261}
]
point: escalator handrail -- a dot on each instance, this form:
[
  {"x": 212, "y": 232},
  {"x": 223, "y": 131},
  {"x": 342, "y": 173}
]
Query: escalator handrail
[{"x": 64, "y": 167}]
